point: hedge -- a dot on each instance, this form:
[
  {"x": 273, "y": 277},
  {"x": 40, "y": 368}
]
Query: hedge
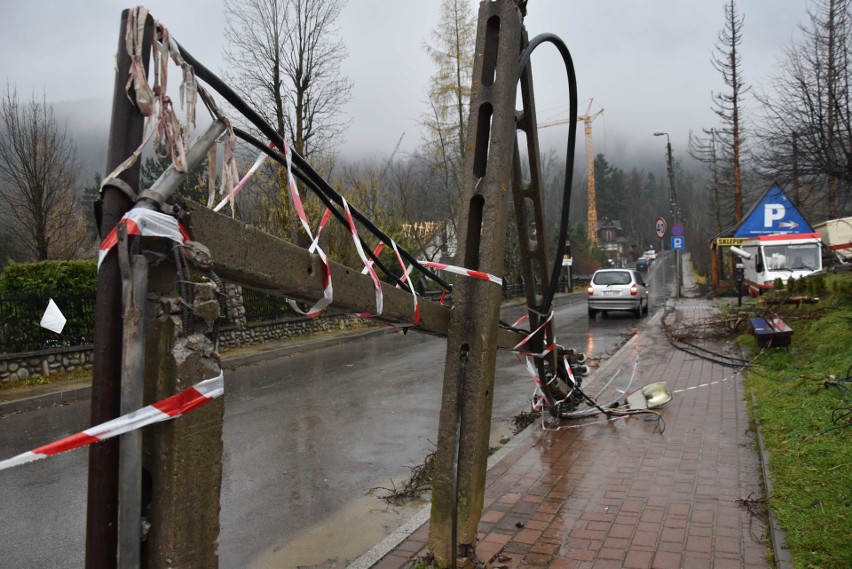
[{"x": 49, "y": 277}]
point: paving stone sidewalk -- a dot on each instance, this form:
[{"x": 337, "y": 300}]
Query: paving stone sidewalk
[{"x": 599, "y": 494}]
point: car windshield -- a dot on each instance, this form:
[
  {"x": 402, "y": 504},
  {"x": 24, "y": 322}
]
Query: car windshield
[{"x": 612, "y": 278}]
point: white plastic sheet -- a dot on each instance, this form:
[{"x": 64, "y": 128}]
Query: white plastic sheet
[{"x": 53, "y": 319}]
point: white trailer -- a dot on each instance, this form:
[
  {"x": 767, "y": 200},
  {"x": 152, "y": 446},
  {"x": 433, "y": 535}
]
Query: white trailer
[
  {"x": 837, "y": 235},
  {"x": 780, "y": 257}
]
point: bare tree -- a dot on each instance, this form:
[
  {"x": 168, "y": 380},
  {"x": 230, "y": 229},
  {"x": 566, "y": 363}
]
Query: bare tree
[
  {"x": 807, "y": 127},
  {"x": 37, "y": 180},
  {"x": 449, "y": 100},
  {"x": 705, "y": 150},
  {"x": 728, "y": 105},
  {"x": 287, "y": 58}
]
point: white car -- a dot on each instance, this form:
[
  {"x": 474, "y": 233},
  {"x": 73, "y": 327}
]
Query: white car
[
  {"x": 650, "y": 255},
  {"x": 618, "y": 289}
]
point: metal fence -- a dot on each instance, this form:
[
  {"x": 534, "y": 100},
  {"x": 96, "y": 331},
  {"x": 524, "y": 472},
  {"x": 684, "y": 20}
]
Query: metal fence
[
  {"x": 20, "y": 316},
  {"x": 261, "y": 307}
]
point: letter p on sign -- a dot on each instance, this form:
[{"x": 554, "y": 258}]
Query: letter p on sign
[{"x": 773, "y": 212}]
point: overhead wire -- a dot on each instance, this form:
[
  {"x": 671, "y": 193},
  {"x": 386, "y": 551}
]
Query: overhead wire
[
  {"x": 323, "y": 198},
  {"x": 550, "y": 292},
  {"x": 569, "y": 153},
  {"x": 319, "y": 185}
]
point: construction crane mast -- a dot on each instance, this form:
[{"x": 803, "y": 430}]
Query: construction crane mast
[
  {"x": 592, "y": 219},
  {"x": 586, "y": 119}
]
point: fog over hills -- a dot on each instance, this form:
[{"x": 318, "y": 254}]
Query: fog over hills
[{"x": 87, "y": 123}]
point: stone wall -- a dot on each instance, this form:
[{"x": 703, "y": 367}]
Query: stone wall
[
  {"x": 44, "y": 362},
  {"x": 48, "y": 362},
  {"x": 260, "y": 332}
]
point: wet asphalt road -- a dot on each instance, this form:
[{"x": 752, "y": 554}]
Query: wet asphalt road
[{"x": 305, "y": 437}]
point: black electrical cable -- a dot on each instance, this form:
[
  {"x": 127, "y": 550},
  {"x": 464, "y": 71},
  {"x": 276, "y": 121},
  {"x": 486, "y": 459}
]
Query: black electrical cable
[
  {"x": 728, "y": 361},
  {"x": 281, "y": 160},
  {"x": 612, "y": 412},
  {"x": 320, "y": 184},
  {"x": 569, "y": 154}
]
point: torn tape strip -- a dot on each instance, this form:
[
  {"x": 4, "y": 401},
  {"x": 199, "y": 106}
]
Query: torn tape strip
[
  {"x": 170, "y": 408},
  {"x": 464, "y": 272},
  {"x": 364, "y": 271},
  {"x": 257, "y": 163},
  {"x": 323, "y": 221},
  {"x": 146, "y": 223},
  {"x": 547, "y": 349},
  {"x": 376, "y": 252},
  {"x": 405, "y": 278},
  {"x": 328, "y": 290},
  {"x": 376, "y": 282}
]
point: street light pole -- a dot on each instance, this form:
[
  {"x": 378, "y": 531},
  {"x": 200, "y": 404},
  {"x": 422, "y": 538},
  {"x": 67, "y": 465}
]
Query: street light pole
[{"x": 673, "y": 205}]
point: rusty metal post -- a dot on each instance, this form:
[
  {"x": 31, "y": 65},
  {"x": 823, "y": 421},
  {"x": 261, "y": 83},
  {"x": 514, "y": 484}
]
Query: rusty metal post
[
  {"x": 126, "y": 130},
  {"x": 474, "y": 320}
]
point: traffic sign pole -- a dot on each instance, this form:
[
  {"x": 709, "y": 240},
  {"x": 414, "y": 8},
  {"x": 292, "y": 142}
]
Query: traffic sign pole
[{"x": 678, "y": 243}]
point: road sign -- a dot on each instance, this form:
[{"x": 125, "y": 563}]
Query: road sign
[
  {"x": 677, "y": 230},
  {"x": 660, "y": 226},
  {"x": 728, "y": 241},
  {"x": 678, "y": 242}
]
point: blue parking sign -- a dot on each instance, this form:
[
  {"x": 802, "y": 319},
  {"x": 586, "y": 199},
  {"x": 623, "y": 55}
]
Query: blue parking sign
[{"x": 678, "y": 243}]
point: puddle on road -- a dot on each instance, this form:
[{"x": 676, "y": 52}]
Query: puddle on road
[{"x": 340, "y": 539}]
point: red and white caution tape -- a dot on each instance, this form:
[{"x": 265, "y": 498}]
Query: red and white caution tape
[
  {"x": 367, "y": 265},
  {"x": 170, "y": 408},
  {"x": 379, "y": 248},
  {"x": 232, "y": 194},
  {"x": 146, "y": 223},
  {"x": 549, "y": 348},
  {"x": 708, "y": 384},
  {"x": 464, "y": 272},
  {"x": 404, "y": 278},
  {"x": 328, "y": 291},
  {"x": 323, "y": 221}
]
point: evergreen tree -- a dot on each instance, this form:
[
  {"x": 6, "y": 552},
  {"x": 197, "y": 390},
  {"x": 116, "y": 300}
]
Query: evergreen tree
[{"x": 445, "y": 125}]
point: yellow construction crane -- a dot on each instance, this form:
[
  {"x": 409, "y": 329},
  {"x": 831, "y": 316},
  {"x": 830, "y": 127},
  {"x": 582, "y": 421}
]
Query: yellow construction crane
[{"x": 586, "y": 119}]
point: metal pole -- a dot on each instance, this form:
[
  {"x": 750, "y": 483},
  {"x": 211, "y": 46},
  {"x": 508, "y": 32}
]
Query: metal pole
[
  {"x": 126, "y": 130},
  {"x": 134, "y": 277},
  {"x": 165, "y": 186},
  {"x": 675, "y": 212}
]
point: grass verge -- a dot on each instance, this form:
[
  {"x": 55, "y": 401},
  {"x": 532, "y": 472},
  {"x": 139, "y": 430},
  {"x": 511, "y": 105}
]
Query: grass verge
[{"x": 804, "y": 402}]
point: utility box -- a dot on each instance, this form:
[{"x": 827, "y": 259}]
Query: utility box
[{"x": 771, "y": 332}]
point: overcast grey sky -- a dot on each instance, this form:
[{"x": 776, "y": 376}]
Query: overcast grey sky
[{"x": 646, "y": 62}]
